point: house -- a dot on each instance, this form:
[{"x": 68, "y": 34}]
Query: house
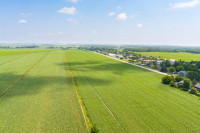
[
  {"x": 119, "y": 56},
  {"x": 172, "y": 61},
  {"x": 197, "y": 86},
  {"x": 164, "y": 60},
  {"x": 148, "y": 57},
  {"x": 151, "y": 64},
  {"x": 182, "y": 73},
  {"x": 158, "y": 62},
  {"x": 130, "y": 55},
  {"x": 180, "y": 83},
  {"x": 112, "y": 55},
  {"x": 157, "y": 58}
]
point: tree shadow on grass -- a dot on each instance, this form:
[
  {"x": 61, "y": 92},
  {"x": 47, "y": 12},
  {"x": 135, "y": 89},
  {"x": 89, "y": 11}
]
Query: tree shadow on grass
[
  {"x": 32, "y": 85},
  {"x": 118, "y": 68}
]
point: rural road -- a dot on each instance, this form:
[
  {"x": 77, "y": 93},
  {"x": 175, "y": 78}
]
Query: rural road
[{"x": 134, "y": 64}]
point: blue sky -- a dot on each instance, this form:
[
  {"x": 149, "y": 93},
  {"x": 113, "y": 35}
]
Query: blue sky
[{"x": 159, "y": 22}]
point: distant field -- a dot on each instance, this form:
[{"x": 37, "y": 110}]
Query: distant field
[
  {"x": 20, "y": 51},
  {"x": 169, "y": 55},
  {"x": 139, "y": 102}
]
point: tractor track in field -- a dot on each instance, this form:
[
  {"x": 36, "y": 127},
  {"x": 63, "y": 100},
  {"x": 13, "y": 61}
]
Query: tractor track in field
[
  {"x": 2, "y": 93},
  {"x": 99, "y": 96},
  {"x": 97, "y": 93},
  {"x": 81, "y": 103},
  {"x": 12, "y": 60}
]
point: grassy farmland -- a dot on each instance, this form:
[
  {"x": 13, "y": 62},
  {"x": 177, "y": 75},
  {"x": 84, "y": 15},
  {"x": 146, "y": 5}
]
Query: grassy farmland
[
  {"x": 170, "y": 55},
  {"x": 20, "y": 51},
  {"x": 123, "y": 98},
  {"x": 41, "y": 96},
  {"x": 44, "y": 100}
]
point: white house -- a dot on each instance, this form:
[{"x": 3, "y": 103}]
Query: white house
[
  {"x": 172, "y": 61},
  {"x": 112, "y": 55}
]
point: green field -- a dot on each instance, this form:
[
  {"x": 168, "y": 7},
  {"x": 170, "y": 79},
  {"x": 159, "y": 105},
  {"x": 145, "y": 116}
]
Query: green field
[
  {"x": 20, "y": 51},
  {"x": 169, "y": 55},
  {"x": 41, "y": 96},
  {"x": 44, "y": 100}
]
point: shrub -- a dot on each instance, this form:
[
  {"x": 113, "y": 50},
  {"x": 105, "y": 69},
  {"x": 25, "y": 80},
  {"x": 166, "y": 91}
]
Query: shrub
[
  {"x": 167, "y": 79},
  {"x": 193, "y": 91},
  {"x": 172, "y": 84},
  {"x": 194, "y": 82},
  {"x": 186, "y": 84},
  {"x": 192, "y": 75},
  {"x": 172, "y": 69},
  {"x": 179, "y": 78},
  {"x": 94, "y": 129},
  {"x": 179, "y": 68}
]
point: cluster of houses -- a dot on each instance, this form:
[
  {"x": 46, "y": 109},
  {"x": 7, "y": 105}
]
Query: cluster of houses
[
  {"x": 112, "y": 55},
  {"x": 197, "y": 86},
  {"x": 151, "y": 61},
  {"x": 156, "y": 61}
]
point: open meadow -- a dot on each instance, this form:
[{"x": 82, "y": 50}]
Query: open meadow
[
  {"x": 38, "y": 94},
  {"x": 171, "y": 55}
]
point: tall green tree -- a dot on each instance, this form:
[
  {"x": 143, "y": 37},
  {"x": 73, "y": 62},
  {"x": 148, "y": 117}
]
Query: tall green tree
[
  {"x": 172, "y": 69},
  {"x": 192, "y": 75},
  {"x": 179, "y": 68},
  {"x": 186, "y": 84}
]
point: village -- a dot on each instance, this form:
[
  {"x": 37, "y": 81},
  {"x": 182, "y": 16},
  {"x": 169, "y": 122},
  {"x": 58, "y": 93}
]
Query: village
[{"x": 170, "y": 66}]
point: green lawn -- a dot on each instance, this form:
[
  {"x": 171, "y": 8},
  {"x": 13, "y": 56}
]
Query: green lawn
[
  {"x": 44, "y": 100},
  {"x": 139, "y": 102},
  {"x": 170, "y": 55}
]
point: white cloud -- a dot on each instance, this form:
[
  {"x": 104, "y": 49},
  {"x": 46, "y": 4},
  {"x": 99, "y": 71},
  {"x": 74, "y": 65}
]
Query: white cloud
[
  {"x": 71, "y": 20},
  {"x": 185, "y": 4},
  {"x": 22, "y": 21},
  {"x": 111, "y": 14},
  {"x": 74, "y": 1},
  {"x": 68, "y": 10},
  {"x": 122, "y": 16},
  {"x": 139, "y": 25},
  {"x": 25, "y": 14}
]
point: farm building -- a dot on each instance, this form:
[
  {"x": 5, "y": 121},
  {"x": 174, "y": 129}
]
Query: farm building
[
  {"x": 119, "y": 56},
  {"x": 112, "y": 55},
  {"x": 180, "y": 83},
  {"x": 172, "y": 61},
  {"x": 197, "y": 86},
  {"x": 182, "y": 73}
]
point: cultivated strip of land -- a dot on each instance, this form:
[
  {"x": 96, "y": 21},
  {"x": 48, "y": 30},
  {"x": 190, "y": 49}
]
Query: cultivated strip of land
[
  {"x": 12, "y": 60},
  {"x": 42, "y": 101},
  {"x": 87, "y": 119},
  {"x": 99, "y": 96},
  {"x": 2, "y": 93}
]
